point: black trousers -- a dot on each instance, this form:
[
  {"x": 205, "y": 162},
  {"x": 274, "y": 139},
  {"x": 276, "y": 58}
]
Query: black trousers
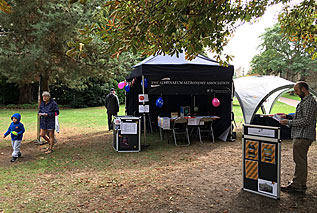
[{"x": 110, "y": 120}]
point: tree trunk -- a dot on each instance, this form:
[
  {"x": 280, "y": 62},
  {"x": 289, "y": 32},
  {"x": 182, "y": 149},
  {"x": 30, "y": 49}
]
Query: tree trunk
[
  {"x": 44, "y": 82},
  {"x": 26, "y": 94}
]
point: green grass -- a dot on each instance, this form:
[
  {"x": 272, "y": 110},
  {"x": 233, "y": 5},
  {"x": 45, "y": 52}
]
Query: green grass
[
  {"x": 95, "y": 118},
  {"x": 28, "y": 117},
  {"x": 294, "y": 97},
  {"x": 86, "y": 117},
  {"x": 83, "y": 163},
  {"x": 26, "y": 184}
]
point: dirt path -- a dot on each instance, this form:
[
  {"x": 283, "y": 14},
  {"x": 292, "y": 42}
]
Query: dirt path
[
  {"x": 288, "y": 101},
  {"x": 200, "y": 178}
]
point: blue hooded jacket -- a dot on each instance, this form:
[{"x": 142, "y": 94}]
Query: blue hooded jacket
[{"x": 17, "y": 127}]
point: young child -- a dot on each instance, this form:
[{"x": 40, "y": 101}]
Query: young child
[{"x": 16, "y": 129}]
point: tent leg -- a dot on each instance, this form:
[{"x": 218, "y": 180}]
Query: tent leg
[{"x": 144, "y": 118}]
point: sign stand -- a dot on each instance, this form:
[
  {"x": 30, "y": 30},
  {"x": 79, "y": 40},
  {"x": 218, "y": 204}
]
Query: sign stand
[
  {"x": 127, "y": 134},
  {"x": 261, "y": 146}
]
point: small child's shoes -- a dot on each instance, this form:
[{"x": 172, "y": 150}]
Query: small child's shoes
[{"x": 13, "y": 159}]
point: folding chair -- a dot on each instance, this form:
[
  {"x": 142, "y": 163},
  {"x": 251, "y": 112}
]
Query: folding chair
[
  {"x": 205, "y": 129},
  {"x": 180, "y": 128}
]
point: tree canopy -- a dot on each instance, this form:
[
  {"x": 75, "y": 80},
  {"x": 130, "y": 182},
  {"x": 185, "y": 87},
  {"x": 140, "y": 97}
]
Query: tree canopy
[
  {"x": 33, "y": 41},
  {"x": 35, "y": 36},
  {"x": 5, "y": 7},
  {"x": 173, "y": 26},
  {"x": 33, "y": 33},
  {"x": 298, "y": 22},
  {"x": 279, "y": 56}
]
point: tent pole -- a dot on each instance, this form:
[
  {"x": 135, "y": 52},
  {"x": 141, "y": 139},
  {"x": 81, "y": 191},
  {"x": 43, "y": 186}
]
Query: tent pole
[
  {"x": 144, "y": 119},
  {"x": 125, "y": 102},
  {"x": 38, "y": 138},
  {"x": 194, "y": 104},
  {"x": 231, "y": 113}
]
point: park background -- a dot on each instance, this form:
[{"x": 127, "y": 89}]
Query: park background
[{"x": 85, "y": 174}]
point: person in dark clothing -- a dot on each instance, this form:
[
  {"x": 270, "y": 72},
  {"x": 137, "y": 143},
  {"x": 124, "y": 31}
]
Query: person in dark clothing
[
  {"x": 112, "y": 106},
  {"x": 47, "y": 112}
]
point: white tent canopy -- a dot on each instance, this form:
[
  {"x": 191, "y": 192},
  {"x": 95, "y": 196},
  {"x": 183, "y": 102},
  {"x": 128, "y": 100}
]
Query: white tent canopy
[{"x": 254, "y": 92}]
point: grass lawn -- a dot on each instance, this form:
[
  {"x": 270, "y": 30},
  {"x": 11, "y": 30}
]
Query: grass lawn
[
  {"x": 94, "y": 119},
  {"x": 85, "y": 174},
  {"x": 294, "y": 97},
  {"x": 86, "y": 146}
]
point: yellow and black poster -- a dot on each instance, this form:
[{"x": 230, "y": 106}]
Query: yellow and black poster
[
  {"x": 268, "y": 153},
  {"x": 261, "y": 160},
  {"x": 251, "y": 150},
  {"x": 251, "y": 169}
]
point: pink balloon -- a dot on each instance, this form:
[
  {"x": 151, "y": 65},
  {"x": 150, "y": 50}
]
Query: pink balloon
[
  {"x": 215, "y": 102},
  {"x": 121, "y": 85}
]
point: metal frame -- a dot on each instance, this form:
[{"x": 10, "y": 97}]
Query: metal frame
[
  {"x": 116, "y": 132},
  {"x": 289, "y": 86},
  {"x": 209, "y": 120},
  {"x": 180, "y": 121},
  {"x": 275, "y": 140}
]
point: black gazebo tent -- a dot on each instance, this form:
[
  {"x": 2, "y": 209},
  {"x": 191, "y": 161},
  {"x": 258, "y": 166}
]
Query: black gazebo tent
[{"x": 181, "y": 82}]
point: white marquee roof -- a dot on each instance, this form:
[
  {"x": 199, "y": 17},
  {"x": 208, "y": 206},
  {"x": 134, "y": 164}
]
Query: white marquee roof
[{"x": 254, "y": 92}]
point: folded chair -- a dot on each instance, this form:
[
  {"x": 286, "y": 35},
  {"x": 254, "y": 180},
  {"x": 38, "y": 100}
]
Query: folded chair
[
  {"x": 205, "y": 129},
  {"x": 180, "y": 132}
]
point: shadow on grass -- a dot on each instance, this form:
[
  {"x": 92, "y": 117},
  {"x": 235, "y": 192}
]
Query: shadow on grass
[{"x": 95, "y": 151}]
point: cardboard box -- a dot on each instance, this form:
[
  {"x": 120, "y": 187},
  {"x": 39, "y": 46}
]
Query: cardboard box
[{"x": 174, "y": 114}]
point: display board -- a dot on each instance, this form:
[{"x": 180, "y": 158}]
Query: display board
[
  {"x": 126, "y": 134},
  {"x": 261, "y": 160}
]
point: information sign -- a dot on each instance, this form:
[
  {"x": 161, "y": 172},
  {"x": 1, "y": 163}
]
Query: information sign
[{"x": 261, "y": 160}]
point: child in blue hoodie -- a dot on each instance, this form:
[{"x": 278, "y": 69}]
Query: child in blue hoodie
[{"x": 16, "y": 129}]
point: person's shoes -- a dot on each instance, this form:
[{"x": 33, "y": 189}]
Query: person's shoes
[
  {"x": 13, "y": 159},
  {"x": 19, "y": 154},
  {"x": 304, "y": 187},
  {"x": 290, "y": 188},
  {"x": 49, "y": 151}
]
